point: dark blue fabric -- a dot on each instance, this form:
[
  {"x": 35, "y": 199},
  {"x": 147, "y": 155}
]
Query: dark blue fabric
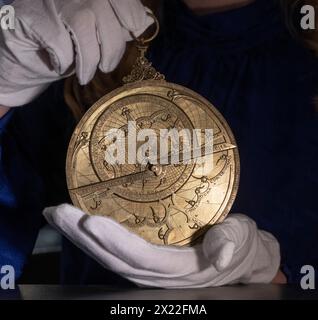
[
  {"x": 4, "y": 2},
  {"x": 32, "y": 154},
  {"x": 264, "y": 82},
  {"x": 261, "y": 79}
]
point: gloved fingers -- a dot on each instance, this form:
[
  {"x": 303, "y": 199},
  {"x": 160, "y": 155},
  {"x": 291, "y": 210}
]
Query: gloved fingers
[
  {"x": 38, "y": 52},
  {"x": 140, "y": 254},
  {"x": 69, "y": 221},
  {"x": 24, "y": 70},
  {"x": 218, "y": 248},
  {"x": 132, "y": 15},
  {"x": 111, "y": 38},
  {"x": 84, "y": 36},
  {"x": 222, "y": 241},
  {"x": 40, "y": 26}
]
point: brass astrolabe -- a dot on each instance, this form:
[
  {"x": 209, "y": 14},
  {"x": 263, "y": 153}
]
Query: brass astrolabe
[{"x": 169, "y": 203}]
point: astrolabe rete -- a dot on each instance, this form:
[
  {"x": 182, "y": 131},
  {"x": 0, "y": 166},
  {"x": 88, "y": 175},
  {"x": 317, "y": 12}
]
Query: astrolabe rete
[{"x": 165, "y": 202}]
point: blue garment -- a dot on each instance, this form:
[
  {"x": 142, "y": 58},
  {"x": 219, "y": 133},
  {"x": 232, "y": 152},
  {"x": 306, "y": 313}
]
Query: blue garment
[
  {"x": 261, "y": 79},
  {"x": 4, "y": 2}
]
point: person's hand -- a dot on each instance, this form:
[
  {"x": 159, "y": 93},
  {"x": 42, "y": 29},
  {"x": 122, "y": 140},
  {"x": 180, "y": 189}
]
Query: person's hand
[
  {"x": 54, "y": 38},
  {"x": 234, "y": 251}
]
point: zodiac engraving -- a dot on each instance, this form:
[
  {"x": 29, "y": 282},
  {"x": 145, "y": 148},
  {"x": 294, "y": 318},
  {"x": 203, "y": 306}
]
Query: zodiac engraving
[{"x": 165, "y": 203}]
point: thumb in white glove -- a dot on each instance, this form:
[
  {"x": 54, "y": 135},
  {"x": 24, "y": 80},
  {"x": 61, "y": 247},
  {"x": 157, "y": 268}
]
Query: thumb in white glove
[
  {"x": 234, "y": 251},
  {"x": 54, "y": 38}
]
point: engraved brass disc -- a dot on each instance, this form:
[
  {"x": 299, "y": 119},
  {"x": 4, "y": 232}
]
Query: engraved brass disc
[{"x": 176, "y": 205}]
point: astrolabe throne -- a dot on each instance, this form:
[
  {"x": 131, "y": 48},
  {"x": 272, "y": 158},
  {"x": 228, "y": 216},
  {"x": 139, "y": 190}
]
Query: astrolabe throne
[{"x": 118, "y": 167}]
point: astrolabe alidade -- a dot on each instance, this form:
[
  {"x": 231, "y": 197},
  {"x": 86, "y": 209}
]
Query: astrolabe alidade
[{"x": 156, "y": 157}]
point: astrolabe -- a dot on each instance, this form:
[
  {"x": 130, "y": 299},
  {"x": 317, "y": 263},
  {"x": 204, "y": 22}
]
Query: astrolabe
[{"x": 165, "y": 202}]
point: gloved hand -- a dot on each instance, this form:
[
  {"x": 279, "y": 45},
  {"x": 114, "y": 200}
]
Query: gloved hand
[
  {"x": 234, "y": 251},
  {"x": 54, "y": 37}
]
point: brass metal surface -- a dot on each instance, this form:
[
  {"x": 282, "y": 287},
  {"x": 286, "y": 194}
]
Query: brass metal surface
[
  {"x": 173, "y": 208},
  {"x": 168, "y": 204}
]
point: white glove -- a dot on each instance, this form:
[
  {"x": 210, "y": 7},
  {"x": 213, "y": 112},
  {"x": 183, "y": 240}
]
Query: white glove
[
  {"x": 234, "y": 251},
  {"x": 52, "y": 37}
]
